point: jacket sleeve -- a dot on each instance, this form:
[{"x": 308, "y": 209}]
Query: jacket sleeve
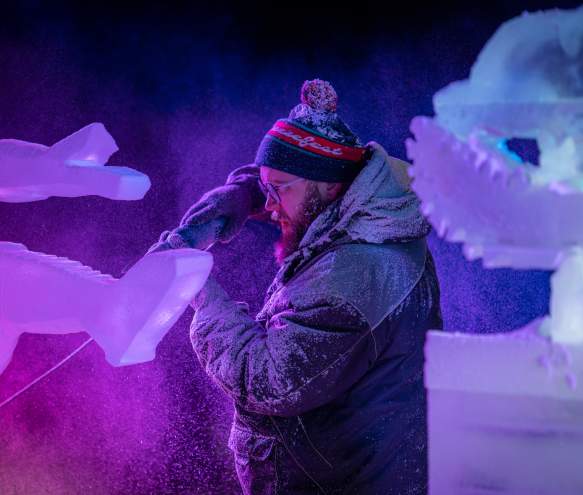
[{"x": 303, "y": 357}]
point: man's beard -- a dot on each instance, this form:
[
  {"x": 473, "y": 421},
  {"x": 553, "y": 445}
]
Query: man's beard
[{"x": 293, "y": 233}]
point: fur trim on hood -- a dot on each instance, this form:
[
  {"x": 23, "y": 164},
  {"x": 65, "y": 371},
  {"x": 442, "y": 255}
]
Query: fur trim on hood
[{"x": 379, "y": 207}]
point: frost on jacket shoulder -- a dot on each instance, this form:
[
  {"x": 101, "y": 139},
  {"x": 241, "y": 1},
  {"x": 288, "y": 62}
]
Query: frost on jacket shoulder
[
  {"x": 372, "y": 278},
  {"x": 313, "y": 340},
  {"x": 284, "y": 366}
]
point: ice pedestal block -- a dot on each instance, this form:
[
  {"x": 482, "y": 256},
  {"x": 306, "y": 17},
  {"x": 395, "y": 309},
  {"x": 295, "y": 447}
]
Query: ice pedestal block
[
  {"x": 128, "y": 317},
  {"x": 75, "y": 166},
  {"x": 505, "y": 414}
]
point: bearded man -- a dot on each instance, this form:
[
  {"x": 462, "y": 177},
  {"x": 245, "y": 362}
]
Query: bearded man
[{"x": 327, "y": 379}]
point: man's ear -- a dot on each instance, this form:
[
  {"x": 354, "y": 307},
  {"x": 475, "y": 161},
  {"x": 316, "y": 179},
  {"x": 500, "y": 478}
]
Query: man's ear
[{"x": 330, "y": 190}]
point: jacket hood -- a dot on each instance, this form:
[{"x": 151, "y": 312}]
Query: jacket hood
[{"x": 379, "y": 207}]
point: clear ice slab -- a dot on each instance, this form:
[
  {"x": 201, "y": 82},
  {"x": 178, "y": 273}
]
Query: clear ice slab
[
  {"x": 127, "y": 317},
  {"x": 75, "y": 166}
]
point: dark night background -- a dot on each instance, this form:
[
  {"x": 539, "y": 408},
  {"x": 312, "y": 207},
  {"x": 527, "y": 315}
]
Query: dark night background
[{"x": 188, "y": 91}]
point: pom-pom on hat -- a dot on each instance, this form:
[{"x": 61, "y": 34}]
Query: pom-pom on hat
[{"x": 313, "y": 142}]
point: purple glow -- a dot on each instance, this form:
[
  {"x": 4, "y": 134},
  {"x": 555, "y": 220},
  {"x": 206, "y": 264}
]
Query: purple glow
[
  {"x": 126, "y": 317},
  {"x": 187, "y": 104}
]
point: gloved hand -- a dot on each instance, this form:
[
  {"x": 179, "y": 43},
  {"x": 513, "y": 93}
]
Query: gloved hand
[
  {"x": 161, "y": 245},
  {"x": 239, "y": 198},
  {"x": 231, "y": 201}
]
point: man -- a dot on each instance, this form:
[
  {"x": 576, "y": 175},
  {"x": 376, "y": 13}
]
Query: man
[{"x": 327, "y": 380}]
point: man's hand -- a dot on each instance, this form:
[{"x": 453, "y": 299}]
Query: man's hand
[
  {"x": 221, "y": 211},
  {"x": 232, "y": 202}
]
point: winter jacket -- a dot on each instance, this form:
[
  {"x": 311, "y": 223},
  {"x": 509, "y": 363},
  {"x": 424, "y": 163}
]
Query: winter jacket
[{"x": 327, "y": 380}]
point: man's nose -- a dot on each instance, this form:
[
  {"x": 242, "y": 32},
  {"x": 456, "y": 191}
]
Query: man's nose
[{"x": 270, "y": 204}]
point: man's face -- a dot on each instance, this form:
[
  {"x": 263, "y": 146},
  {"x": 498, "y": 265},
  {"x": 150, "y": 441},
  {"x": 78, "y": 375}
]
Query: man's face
[{"x": 300, "y": 204}]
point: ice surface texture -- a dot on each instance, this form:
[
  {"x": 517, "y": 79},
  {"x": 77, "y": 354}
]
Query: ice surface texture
[
  {"x": 504, "y": 414},
  {"x": 471, "y": 194},
  {"x": 504, "y": 411},
  {"x": 526, "y": 83},
  {"x": 40, "y": 293},
  {"x": 75, "y": 166}
]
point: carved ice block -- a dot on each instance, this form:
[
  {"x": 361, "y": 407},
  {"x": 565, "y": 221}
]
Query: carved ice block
[{"x": 505, "y": 414}]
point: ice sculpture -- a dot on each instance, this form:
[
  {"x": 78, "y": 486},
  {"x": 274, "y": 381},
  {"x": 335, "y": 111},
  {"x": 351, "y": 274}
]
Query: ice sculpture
[
  {"x": 504, "y": 414},
  {"x": 128, "y": 317},
  {"x": 41, "y": 293},
  {"x": 506, "y": 411},
  {"x": 526, "y": 83},
  {"x": 75, "y": 166}
]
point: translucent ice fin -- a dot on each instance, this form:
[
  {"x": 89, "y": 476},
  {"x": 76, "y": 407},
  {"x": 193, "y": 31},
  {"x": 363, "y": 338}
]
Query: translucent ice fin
[
  {"x": 91, "y": 143},
  {"x": 72, "y": 167},
  {"x": 41, "y": 293},
  {"x": 8, "y": 341},
  {"x": 147, "y": 301}
]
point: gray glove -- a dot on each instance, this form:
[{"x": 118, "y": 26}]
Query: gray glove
[
  {"x": 239, "y": 198},
  {"x": 234, "y": 202},
  {"x": 202, "y": 236},
  {"x": 230, "y": 201}
]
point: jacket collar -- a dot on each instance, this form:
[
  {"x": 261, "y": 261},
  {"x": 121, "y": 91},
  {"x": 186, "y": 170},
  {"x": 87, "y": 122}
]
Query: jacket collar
[{"x": 379, "y": 207}]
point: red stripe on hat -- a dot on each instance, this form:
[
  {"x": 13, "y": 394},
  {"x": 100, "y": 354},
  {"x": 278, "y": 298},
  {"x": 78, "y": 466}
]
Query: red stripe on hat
[{"x": 315, "y": 144}]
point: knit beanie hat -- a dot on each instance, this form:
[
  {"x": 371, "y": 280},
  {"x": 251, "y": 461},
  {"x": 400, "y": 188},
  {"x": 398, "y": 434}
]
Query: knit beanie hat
[{"x": 313, "y": 142}]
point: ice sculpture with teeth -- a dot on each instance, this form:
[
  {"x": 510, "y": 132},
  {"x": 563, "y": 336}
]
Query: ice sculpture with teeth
[
  {"x": 505, "y": 411},
  {"x": 41, "y": 293},
  {"x": 526, "y": 83}
]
